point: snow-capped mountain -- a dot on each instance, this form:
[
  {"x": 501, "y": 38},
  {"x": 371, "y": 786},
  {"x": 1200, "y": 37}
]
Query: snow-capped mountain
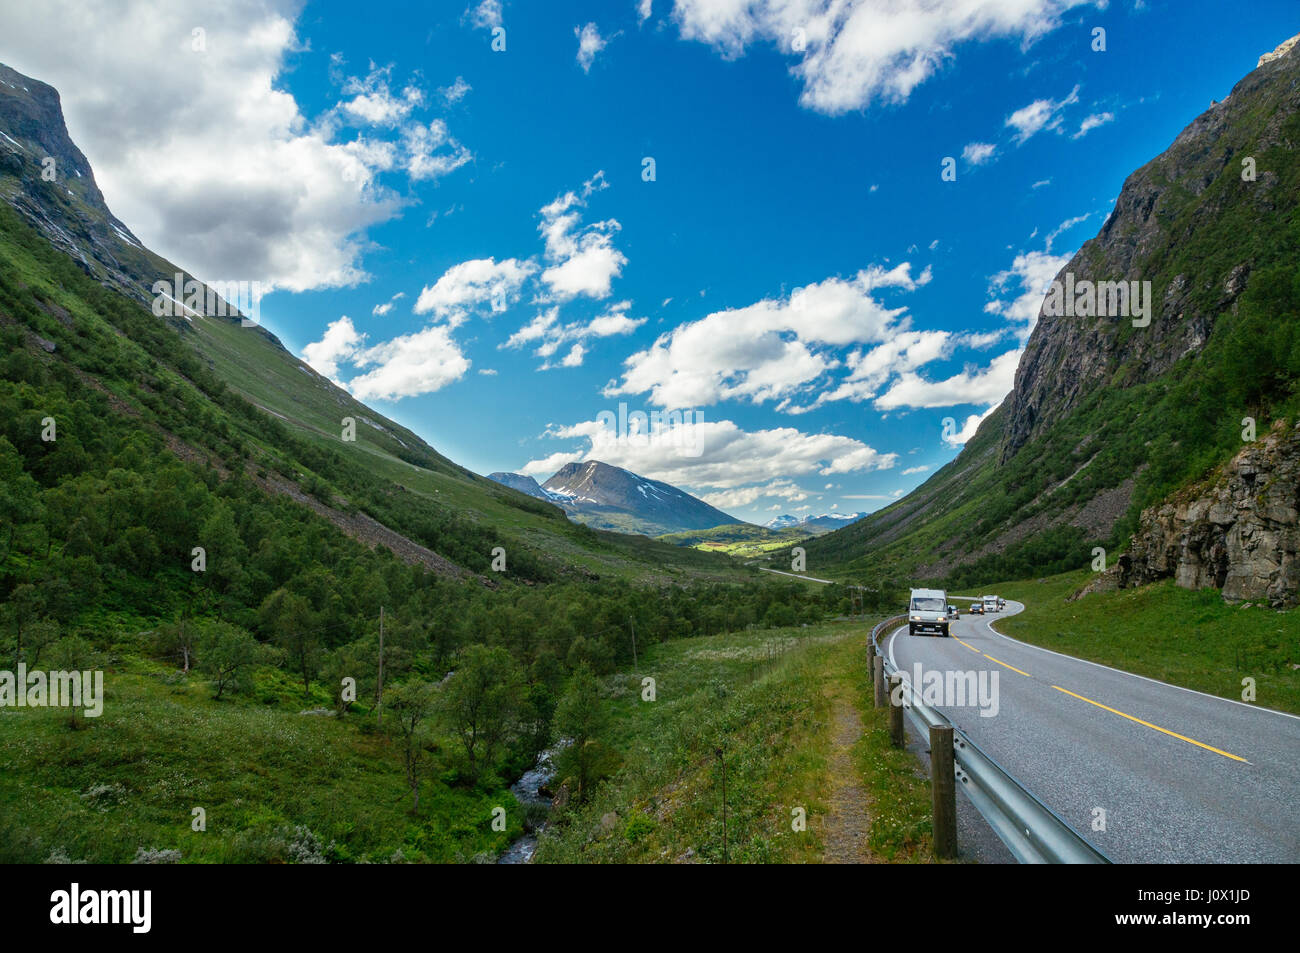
[
  {"x": 825, "y": 523},
  {"x": 609, "y": 497}
]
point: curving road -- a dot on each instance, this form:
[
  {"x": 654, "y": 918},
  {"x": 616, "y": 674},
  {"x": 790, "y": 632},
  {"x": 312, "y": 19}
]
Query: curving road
[{"x": 1182, "y": 777}]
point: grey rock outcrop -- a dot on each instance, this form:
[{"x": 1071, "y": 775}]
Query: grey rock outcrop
[{"x": 1240, "y": 533}]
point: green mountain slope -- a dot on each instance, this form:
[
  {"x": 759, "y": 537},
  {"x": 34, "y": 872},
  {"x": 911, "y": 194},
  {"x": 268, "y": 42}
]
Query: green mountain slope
[{"x": 1107, "y": 419}]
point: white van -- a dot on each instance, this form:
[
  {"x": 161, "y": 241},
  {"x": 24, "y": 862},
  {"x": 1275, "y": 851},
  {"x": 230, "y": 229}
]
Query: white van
[
  {"x": 991, "y": 603},
  {"x": 928, "y": 612}
]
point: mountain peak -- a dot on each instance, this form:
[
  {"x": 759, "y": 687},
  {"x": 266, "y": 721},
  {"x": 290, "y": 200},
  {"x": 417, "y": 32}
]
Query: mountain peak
[{"x": 611, "y": 497}]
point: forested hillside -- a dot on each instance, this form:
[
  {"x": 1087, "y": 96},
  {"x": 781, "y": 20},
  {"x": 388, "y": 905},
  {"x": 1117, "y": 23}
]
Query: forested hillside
[{"x": 157, "y": 524}]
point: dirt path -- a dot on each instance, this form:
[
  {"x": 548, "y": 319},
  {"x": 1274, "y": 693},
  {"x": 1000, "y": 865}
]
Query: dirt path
[{"x": 847, "y": 821}]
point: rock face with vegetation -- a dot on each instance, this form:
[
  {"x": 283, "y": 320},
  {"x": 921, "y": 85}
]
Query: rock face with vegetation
[
  {"x": 1107, "y": 420},
  {"x": 1239, "y": 534},
  {"x": 1185, "y": 221}
]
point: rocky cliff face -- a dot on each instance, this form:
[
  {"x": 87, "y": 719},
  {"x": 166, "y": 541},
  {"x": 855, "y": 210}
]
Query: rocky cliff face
[
  {"x": 47, "y": 179},
  {"x": 1239, "y": 533},
  {"x": 1193, "y": 191}
]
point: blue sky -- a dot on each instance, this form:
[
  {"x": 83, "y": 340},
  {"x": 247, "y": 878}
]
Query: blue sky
[{"x": 465, "y": 237}]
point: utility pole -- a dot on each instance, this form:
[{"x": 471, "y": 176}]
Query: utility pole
[
  {"x": 380, "y": 703},
  {"x": 635, "y": 666}
]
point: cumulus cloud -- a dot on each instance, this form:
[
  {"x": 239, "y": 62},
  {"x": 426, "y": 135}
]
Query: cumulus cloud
[
  {"x": 1016, "y": 293},
  {"x": 456, "y": 91},
  {"x": 431, "y": 152},
  {"x": 978, "y": 153},
  {"x": 548, "y": 333},
  {"x": 375, "y": 103},
  {"x": 485, "y": 16},
  {"x": 963, "y": 436},
  {"x": 590, "y": 42},
  {"x": 202, "y": 151},
  {"x": 715, "y": 455},
  {"x": 339, "y": 343},
  {"x": 855, "y": 53},
  {"x": 770, "y": 350},
  {"x": 472, "y": 284},
  {"x": 582, "y": 258},
  {"x": 380, "y": 310},
  {"x": 983, "y": 386},
  {"x": 409, "y": 365}
]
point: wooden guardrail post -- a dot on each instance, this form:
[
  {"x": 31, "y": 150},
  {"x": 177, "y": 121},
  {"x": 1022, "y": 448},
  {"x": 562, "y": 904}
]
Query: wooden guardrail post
[
  {"x": 896, "y": 710},
  {"x": 943, "y": 791},
  {"x": 878, "y": 679}
]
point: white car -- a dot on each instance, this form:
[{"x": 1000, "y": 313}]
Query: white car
[{"x": 928, "y": 612}]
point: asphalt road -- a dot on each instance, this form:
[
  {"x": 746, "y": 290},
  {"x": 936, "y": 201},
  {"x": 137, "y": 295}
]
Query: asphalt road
[{"x": 1182, "y": 777}]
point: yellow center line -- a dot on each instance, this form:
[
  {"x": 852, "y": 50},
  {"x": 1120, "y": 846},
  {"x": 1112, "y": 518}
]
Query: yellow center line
[
  {"x": 1004, "y": 664},
  {"x": 969, "y": 646},
  {"x": 1172, "y": 734}
]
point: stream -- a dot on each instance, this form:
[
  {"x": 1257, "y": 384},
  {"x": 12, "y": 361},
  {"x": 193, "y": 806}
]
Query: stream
[{"x": 528, "y": 791}]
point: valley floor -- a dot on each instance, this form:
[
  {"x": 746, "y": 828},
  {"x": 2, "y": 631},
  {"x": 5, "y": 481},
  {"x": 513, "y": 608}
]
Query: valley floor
[{"x": 788, "y": 712}]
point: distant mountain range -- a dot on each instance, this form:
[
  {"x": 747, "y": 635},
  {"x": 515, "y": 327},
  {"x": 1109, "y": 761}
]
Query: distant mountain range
[
  {"x": 609, "y": 497},
  {"x": 816, "y": 525}
]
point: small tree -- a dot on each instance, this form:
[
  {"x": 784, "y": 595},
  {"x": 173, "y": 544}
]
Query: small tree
[
  {"x": 410, "y": 704},
  {"x": 292, "y": 624},
  {"x": 582, "y": 718},
  {"x": 226, "y": 653},
  {"x": 178, "y": 640},
  {"x": 481, "y": 701},
  {"x": 73, "y": 654}
]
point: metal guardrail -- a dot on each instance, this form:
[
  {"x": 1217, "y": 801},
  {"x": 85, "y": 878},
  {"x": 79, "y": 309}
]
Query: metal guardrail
[{"x": 1032, "y": 831}]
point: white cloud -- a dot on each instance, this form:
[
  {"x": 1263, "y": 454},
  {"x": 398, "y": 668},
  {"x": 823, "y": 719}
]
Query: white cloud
[
  {"x": 456, "y": 91},
  {"x": 858, "y": 53},
  {"x": 203, "y": 152},
  {"x": 910, "y": 470},
  {"x": 380, "y": 310},
  {"x": 583, "y": 259},
  {"x": 643, "y": 10},
  {"x": 426, "y": 157},
  {"x": 574, "y": 357},
  {"x": 963, "y": 436},
  {"x": 1091, "y": 123},
  {"x": 1065, "y": 226},
  {"x": 715, "y": 454},
  {"x": 978, "y": 153},
  {"x": 486, "y": 16},
  {"x": 749, "y": 495},
  {"x": 374, "y": 102},
  {"x": 339, "y": 343},
  {"x": 983, "y": 386},
  {"x": 1028, "y": 278},
  {"x": 590, "y": 42},
  {"x": 409, "y": 365},
  {"x": 474, "y": 283},
  {"x": 548, "y": 333},
  {"x": 1041, "y": 114},
  {"x": 770, "y": 350}
]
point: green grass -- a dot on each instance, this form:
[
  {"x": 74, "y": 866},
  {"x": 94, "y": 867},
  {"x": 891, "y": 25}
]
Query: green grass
[
  {"x": 765, "y": 699},
  {"x": 741, "y": 540},
  {"x": 264, "y": 774},
  {"x": 1189, "y": 638}
]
